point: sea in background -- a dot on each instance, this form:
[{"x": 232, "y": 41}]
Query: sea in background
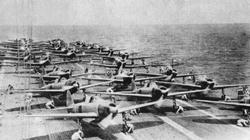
[{"x": 222, "y": 51}]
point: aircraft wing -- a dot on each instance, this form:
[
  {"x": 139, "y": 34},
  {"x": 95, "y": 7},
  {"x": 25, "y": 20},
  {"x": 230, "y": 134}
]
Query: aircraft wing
[
  {"x": 124, "y": 109},
  {"x": 90, "y": 73},
  {"x": 97, "y": 84},
  {"x": 136, "y": 66},
  {"x": 147, "y": 74},
  {"x": 154, "y": 74},
  {"x": 61, "y": 55},
  {"x": 104, "y": 65},
  {"x": 8, "y": 65},
  {"x": 146, "y": 95},
  {"x": 122, "y": 94},
  {"x": 11, "y": 58},
  {"x": 34, "y": 64},
  {"x": 96, "y": 79},
  {"x": 126, "y": 66},
  {"x": 188, "y": 86},
  {"x": 151, "y": 78},
  {"x": 66, "y": 62},
  {"x": 45, "y": 91},
  {"x": 136, "y": 58},
  {"x": 67, "y": 115},
  {"x": 228, "y": 86},
  {"x": 83, "y": 55},
  {"x": 38, "y": 76},
  {"x": 64, "y": 89},
  {"x": 186, "y": 75},
  {"x": 186, "y": 92},
  {"x": 108, "y": 57},
  {"x": 225, "y": 103}
]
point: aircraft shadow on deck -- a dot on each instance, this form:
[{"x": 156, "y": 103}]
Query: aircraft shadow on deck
[
  {"x": 231, "y": 108},
  {"x": 94, "y": 131},
  {"x": 162, "y": 111},
  {"x": 209, "y": 120}
]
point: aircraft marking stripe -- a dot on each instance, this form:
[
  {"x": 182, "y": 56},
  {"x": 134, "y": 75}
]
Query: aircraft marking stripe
[
  {"x": 183, "y": 130},
  {"x": 214, "y": 117}
]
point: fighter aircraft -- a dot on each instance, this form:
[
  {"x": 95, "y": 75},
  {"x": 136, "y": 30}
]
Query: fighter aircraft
[
  {"x": 20, "y": 49},
  {"x": 72, "y": 54},
  {"x": 202, "y": 84},
  {"x": 98, "y": 109},
  {"x": 124, "y": 66},
  {"x": 125, "y": 56},
  {"x": 243, "y": 100},
  {"x": 124, "y": 79},
  {"x": 45, "y": 62},
  {"x": 55, "y": 73},
  {"x": 23, "y": 57},
  {"x": 57, "y": 91},
  {"x": 170, "y": 75},
  {"x": 60, "y": 86},
  {"x": 150, "y": 91}
]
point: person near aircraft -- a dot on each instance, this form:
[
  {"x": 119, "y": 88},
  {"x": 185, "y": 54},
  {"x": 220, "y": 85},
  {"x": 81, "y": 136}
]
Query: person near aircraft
[
  {"x": 50, "y": 105},
  {"x": 125, "y": 117},
  {"x": 180, "y": 109},
  {"x": 127, "y": 128},
  {"x": 78, "y": 135},
  {"x": 27, "y": 101},
  {"x": 111, "y": 90},
  {"x": 243, "y": 122},
  {"x": 245, "y": 90},
  {"x": 134, "y": 112}
]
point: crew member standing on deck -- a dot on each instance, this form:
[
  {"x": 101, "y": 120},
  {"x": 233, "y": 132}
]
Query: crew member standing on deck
[{"x": 27, "y": 101}]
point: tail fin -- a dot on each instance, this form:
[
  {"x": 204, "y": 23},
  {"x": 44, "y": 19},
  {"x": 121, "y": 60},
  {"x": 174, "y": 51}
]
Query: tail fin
[{"x": 69, "y": 99}]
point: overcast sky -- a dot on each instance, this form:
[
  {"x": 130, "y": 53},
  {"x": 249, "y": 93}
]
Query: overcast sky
[{"x": 123, "y": 12}]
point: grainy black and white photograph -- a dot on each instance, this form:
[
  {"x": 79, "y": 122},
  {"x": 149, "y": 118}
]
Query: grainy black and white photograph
[{"x": 124, "y": 69}]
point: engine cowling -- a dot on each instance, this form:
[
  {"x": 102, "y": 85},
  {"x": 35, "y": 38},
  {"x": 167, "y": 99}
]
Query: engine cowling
[
  {"x": 208, "y": 83},
  {"x": 156, "y": 94},
  {"x": 104, "y": 111}
]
